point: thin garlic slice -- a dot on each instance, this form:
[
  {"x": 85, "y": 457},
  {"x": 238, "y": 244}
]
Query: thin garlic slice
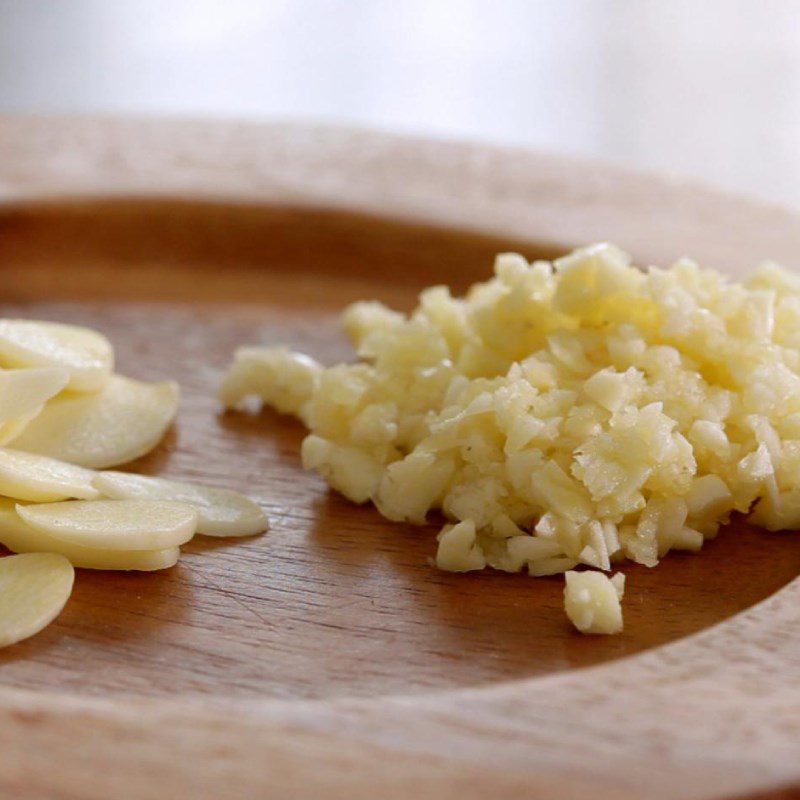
[
  {"x": 122, "y": 422},
  {"x": 18, "y": 536},
  {"x": 221, "y": 512},
  {"x": 114, "y": 524},
  {"x": 34, "y": 587},
  {"x": 40, "y": 479},
  {"x": 86, "y": 354},
  {"x": 13, "y": 428},
  {"x": 24, "y": 391}
]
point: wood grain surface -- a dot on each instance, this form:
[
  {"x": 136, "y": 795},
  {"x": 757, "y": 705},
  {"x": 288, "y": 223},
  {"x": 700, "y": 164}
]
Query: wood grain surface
[{"x": 328, "y": 658}]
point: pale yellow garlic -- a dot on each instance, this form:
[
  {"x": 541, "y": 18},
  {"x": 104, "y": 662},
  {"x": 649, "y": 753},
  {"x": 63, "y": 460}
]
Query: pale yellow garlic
[
  {"x": 19, "y": 537},
  {"x": 34, "y": 587},
  {"x": 86, "y": 354},
  {"x": 580, "y": 411},
  {"x": 114, "y": 524},
  {"x": 119, "y": 423},
  {"x": 592, "y": 601},
  {"x": 220, "y": 512}
]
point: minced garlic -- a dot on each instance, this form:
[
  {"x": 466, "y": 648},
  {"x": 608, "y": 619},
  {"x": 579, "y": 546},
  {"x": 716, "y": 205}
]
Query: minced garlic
[
  {"x": 592, "y": 601},
  {"x": 582, "y": 411}
]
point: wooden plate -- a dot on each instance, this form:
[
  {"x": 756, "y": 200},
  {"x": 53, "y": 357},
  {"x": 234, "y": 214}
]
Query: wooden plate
[{"x": 327, "y": 658}]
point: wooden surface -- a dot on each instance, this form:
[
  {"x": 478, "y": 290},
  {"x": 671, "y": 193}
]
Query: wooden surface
[{"x": 327, "y": 657}]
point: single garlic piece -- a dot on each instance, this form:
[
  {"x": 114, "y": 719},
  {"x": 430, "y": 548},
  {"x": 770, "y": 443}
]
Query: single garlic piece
[
  {"x": 114, "y": 524},
  {"x": 122, "y": 422},
  {"x": 278, "y": 376},
  {"x": 86, "y": 354},
  {"x": 220, "y": 512},
  {"x": 34, "y": 587},
  {"x": 19, "y": 537},
  {"x": 40, "y": 479},
  {"x": 23, "y": 392},
  {"x": 592, "y": 601}
]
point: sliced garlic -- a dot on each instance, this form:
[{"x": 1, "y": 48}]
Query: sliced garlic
[
  {"x": 30, "y": 476},
  {"x": 123, "y": 421},
  {"x": 114, "y": 524},
  {"x": 18, "y": 536},
  {"x": 221, "y": 512},
  {"x": 33, "y": 589},
  {"x": 13, "y": 428},
  {"x": 24, "y": 391},
  {"x": 87, "y": 354}
]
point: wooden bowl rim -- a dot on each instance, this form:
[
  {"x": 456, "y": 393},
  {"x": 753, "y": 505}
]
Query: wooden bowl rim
[{"x": 714, "y": 713}]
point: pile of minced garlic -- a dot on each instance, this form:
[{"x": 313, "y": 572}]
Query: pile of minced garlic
[{"x": 579, "y": 412}]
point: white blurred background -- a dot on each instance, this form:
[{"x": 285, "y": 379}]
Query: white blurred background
[{"x": 709, "y": 88}]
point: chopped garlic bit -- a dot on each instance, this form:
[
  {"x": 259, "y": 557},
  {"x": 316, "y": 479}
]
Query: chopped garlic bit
[
  {"x": 457, "y": 548},
  {"x": 279, "y": 377},
  {"x": 592, "y": 601},
  {"x": 583, "y": 411}
]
